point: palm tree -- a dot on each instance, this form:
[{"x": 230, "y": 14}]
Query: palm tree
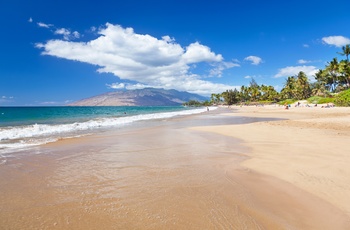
[
  {"x": 268, "y": 93},
  {"x": 346, "y": 51},
  {"x": 303, "y": 90},
  {"x": 244, "y": 93},
  {"x": 319, "y": 89},
  {"x": 288, "y": 92},
  {"x": 212, "y": 98},
  {"x": 231, "y": 96},
  {"x": 344, "y": 76},
  {"x": 254, "y": 93},
  {"x": 323, "y": 78},
  {"x": 215, "y": 98},
  {"x": 218, "y": 97},
  {"x": 254, "y": 90},
  {"x": 333, "y": 70},
  {"x": 347, "y": 73}
]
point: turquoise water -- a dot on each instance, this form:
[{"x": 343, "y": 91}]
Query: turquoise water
[
  {"x": 16, "y": 116},
  {"x": 22, "y": 127}
]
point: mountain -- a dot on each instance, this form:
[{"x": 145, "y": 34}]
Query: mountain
[{"x": 140, "y": 97}]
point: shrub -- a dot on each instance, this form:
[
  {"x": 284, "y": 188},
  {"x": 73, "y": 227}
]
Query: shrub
[
  {"x": 320, "y": 100},
  {"x": 343, "y": 98},
  {"x": 287, "y": 101}
]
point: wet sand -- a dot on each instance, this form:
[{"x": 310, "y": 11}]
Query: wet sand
[{"x": 184, "y": 173}]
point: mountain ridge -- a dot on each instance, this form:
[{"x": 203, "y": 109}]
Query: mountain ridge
[{"x": 140, "y": 97}]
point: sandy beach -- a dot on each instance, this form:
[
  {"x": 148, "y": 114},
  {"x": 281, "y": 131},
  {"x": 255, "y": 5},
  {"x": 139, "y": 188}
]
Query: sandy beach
[
  {"x": 309, "y": 149},
  {"x": 237, "y": 168}
]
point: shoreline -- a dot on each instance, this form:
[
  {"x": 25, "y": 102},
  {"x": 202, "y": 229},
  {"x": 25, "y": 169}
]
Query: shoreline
[
  {"x": 192, "y": 172},
  {"x": 65, "y": 122}
]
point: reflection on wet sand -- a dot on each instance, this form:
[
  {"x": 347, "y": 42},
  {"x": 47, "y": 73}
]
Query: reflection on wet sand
[{"x": 160, "y": 177}]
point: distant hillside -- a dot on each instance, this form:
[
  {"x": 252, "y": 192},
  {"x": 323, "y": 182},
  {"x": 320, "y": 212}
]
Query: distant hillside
[{"x": 140, "y": 97}]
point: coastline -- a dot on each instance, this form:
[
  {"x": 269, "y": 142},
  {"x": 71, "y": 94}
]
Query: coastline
[{"x": 193, "y": 172}]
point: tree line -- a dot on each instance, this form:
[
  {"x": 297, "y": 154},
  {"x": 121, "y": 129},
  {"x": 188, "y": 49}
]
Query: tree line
[{"x": 333, "y": 79}]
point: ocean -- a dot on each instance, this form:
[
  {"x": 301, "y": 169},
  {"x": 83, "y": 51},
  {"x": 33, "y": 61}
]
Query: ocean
[{"x": 24, "y": 127}]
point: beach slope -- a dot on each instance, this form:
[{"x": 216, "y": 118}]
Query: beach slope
[{"x": 308, "y": 148}]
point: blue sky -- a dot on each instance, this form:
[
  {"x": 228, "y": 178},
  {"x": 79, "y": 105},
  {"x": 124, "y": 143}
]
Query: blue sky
[{"x": 56, "y": 52}]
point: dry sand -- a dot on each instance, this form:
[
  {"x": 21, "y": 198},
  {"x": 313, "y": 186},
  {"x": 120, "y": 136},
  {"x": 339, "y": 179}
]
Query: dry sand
[
  {"x": 310, "y": 149},
  {"x": 210, "y": 171}
]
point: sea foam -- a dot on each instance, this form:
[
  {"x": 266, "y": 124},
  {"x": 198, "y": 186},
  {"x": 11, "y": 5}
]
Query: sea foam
[{"x": 25, "y": 136}]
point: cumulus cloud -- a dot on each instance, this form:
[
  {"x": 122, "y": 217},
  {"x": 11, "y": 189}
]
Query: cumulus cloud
[
  {"x": 337, "y": 41},
  {"x": 30, "y": 20},
  {"x": 294, "y": 70},
  {"x": 142, "y": 58},
  {"x": 254, "y": 59},
  {"x": 196, "y": 52},
  {"x": 168, "y": 39}
]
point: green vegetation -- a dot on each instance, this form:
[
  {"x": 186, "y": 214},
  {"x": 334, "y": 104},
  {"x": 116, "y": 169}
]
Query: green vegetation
[
  {"x": 287, "y": 102},
  {"x": 334, "y": 79},
  {"x": 193, "y": 103},
  {"x": 343, "y": 98},
  {"x": 320, "y": 100}
]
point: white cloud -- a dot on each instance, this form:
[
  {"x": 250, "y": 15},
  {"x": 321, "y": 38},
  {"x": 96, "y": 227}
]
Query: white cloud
[
  {"x": 44, "y": 25},
  {"x": 220, "y": 67},
  {"x": 248, "y": 77},
  {"x": 168, "y": 39},
  {"x": 136, "y": 86},
  {"x": 306, "y": 46},
  {"x": 302, "y": 61},
  {"x": 76, "y": 34},
  {"x": 294, "y": 70},
  {"x": 337, "y": 41},
  {"x": 254, "y": 59},
  {"x": 64, "y": 32},
  {"x": 196, "y": 52},
  {"x": 128, "y": 86},
  {"x": 30, "y": 20},
  {"x": 116, "y": 86},
  {"x": 67, "y": 35},
  {"x": 142, "y": 58}
]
